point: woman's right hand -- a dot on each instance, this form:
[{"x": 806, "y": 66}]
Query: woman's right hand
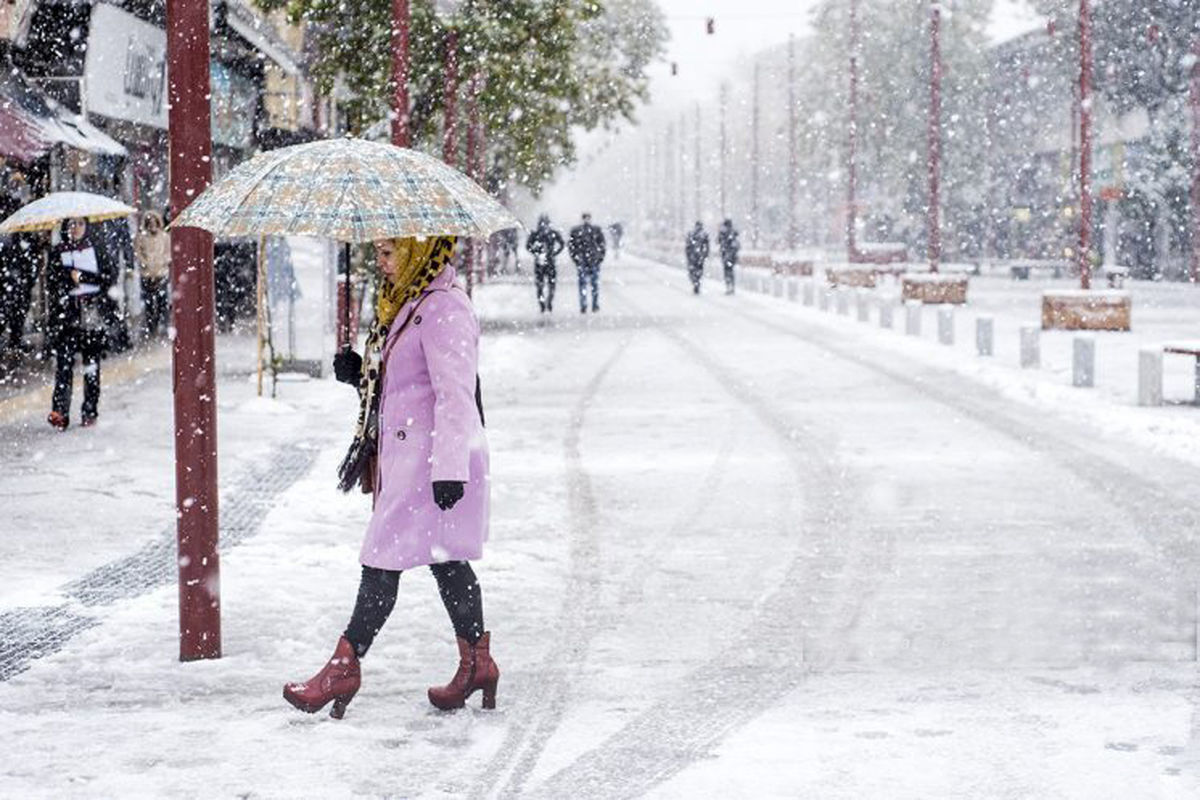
[{"x": 347, "y": 366}]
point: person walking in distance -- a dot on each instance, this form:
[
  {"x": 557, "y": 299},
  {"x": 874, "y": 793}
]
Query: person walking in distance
[
  {"x": 586, "y": 246},
  {"x": 78, "y": 310},
  {"x": 544, "y": 244},
  {"x": 419, "y": 449},
  {"x": 616, "y": 231},
  {"x": 152, "y": 248},
  {"x": 696, "y": 251},
  {"x": 727, "y": 240}
]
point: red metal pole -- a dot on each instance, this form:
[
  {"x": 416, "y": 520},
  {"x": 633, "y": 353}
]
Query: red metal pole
[
  {"x": 400, "y": 64},
  {"x": 852, "y": 141},
  {"x": 195, "y": 391},
  {"x": 724, "y": 100},
  {"x": 935, "y": 135},
  {"x": 754, "y": 164},
  {"x": 450, "y": 133},
  {"x": 472, "y": 166},
  {"x": 1195, "y": 103},
  {"x": 1085, "y": 146},
  {"x": 793, "y": 165}
]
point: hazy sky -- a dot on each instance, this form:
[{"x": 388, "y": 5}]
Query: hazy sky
[{"x": 742, "y": 27}]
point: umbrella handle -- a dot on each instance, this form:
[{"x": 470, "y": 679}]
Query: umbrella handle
[{"x": 349, "y": 345}]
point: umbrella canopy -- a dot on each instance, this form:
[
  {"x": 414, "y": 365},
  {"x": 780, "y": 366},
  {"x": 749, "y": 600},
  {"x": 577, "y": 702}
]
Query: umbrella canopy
[
  {"x": 49, "y": 211},
  {"x": 346, "y": 189}
]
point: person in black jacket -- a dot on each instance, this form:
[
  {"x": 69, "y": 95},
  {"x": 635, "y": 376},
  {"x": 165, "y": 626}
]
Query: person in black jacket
[
  {"x": 727, "y": 239},
  {"x": 544, "y": 243},
  {"x": 696, "y": 250},
  {"x": 586, "y": 247},
  {"x": 78, "y": 308}
]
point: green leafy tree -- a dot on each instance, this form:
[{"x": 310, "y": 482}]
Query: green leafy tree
[{"x": 549, "y": 68}]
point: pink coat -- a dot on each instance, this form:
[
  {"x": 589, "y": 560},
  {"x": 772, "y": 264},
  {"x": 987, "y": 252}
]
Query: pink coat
[{"x": 429, "y": 430}]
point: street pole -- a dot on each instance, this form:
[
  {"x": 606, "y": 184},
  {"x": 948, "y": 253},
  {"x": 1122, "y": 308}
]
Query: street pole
[
  {"x": 400, "y": 62},
  {"x": 935, "y": 134},
  {"x": 1195, "y": 103},
  {"x": 450, "y": 100},
  {"x": 1085, "y": 146},
  {"x": 682, "y": 158},
  {"x": 472, "y": 166},
  {"x": 669, "y": 180},
  {"x": 852, "y": 141},
  {"x": 724, "y": 100},
  {"x": 754, "y": 163},
  {"x": 194, "y": 366},
  {"x": 793, "y": 164},
  {"x": 698, "y": 188}
]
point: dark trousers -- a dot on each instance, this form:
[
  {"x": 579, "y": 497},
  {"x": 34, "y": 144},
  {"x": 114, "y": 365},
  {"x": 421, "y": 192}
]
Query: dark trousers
[
  {"x": 546, "y": 277},
  {"x": 696, "y": 273},
  {"x": 729, "y": 265},
  {"x": 154, "y": 301},
  {"x": 89, "y": 344},
  {"x": 377, "y": 597},
  {"x": 589, "y": 276}
]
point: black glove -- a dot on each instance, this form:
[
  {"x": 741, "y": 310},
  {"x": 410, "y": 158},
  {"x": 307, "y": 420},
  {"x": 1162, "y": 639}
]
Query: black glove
[
  {"x": 347, "y": 366},
  {"x": 447, "y": 493}
]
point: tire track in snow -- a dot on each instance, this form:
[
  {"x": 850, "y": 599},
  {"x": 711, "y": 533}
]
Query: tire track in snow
[
  {"x": 550, "y": 682},
  {"x": 764, "y": 662},
  {"x": 1145, "y": 492}
]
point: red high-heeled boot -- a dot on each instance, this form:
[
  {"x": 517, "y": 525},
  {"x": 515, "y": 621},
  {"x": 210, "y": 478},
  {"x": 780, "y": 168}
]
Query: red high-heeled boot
[
  {"x": 338, "y": 681},
  {"x": 476, "y": 670}
]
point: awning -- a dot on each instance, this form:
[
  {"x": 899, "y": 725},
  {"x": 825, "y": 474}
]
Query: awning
[
  {"x": 261, "y": 35},
  {"x": 19, "y": 138},
  {"x": 31, "y": 123}
]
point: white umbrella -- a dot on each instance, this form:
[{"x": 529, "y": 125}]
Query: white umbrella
[{"x": 47, "y": 212}]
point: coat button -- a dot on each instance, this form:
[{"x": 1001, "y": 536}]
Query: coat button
[{"x": 401, "y": 435}]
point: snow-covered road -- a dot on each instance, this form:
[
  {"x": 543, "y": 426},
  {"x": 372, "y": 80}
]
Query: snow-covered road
[{"x": 736, "y": 552}]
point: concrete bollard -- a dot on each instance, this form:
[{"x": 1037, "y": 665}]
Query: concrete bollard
[
  {"x": 843, "y": 302},
  {"x": 810, "y": 293},
  {"x": 1083, "y": 361},
  {"x": 886, "y": 310},
  {"x": 862, "y": 303},
  {"x": 912, "y": 318},
  {"x": 1031, "y": 354},
  {"x": 1150, "y": 376},
  {"x": 984, "y": 336},
  {"x": 793, "y": 289},
  {"x": 946, "y": 325},
  {"x": 825, "y": 299}
]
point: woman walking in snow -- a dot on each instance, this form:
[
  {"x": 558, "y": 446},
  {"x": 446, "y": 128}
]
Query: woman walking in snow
[{"x": 420, "y": 450}]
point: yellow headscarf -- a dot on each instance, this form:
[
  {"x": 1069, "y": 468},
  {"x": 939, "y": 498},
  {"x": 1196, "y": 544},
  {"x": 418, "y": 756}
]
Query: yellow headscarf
[{"x": 418, "y": 262}]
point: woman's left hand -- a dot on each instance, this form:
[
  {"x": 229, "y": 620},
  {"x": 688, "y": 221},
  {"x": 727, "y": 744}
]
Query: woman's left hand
[{"x": 447, "y": 493}]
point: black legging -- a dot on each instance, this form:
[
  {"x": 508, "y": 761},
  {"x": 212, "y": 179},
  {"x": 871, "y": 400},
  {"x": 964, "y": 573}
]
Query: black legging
[{"x": 377, "y": 596}]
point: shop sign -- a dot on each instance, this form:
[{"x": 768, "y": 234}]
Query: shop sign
[{"x": 126, "y": 68}]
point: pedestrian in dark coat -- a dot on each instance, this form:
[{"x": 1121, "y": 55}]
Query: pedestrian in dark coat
[
  {"x": 545, "y": 243},
  {"x": 79, "y": 308},
  {"x": 586, "y": 246},
  {"x": 696, "y": 251},
  {"x": 727, "y": 240},
  {"x": 20, "y": 256},
  {"x": 115, "y": 253}
]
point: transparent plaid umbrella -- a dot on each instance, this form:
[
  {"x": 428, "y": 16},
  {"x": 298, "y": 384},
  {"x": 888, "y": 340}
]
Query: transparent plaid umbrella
[
  {"x": 49, "y": 211},
  {"x": 350, "y": 190}
]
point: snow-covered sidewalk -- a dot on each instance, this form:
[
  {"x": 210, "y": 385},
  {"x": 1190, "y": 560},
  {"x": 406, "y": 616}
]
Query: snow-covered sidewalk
[{"x": 739, "y": 549}]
